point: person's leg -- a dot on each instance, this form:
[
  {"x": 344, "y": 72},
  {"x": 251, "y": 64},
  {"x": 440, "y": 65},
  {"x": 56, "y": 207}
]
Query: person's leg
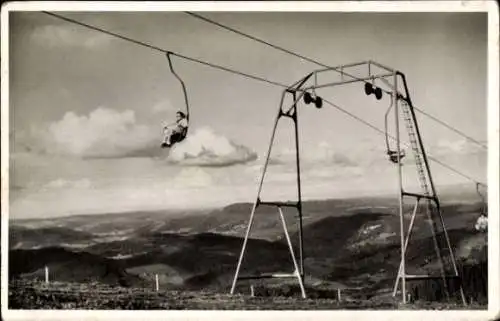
[{"x": 168, "y": 134}]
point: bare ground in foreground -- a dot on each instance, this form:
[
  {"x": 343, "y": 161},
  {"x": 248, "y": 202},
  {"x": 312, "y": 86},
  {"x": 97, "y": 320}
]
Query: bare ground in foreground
[{"x": 37, "y": 295}]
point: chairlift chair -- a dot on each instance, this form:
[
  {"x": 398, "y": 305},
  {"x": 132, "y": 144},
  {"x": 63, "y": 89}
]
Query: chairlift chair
[{"x": 393, "y": 154}]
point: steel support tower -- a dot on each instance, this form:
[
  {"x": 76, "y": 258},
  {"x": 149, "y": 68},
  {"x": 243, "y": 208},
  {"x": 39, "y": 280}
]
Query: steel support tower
[{"x": 389, "y": 81}]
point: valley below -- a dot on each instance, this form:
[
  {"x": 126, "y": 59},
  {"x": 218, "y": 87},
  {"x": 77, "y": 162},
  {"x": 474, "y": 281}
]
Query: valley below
[{"x": 351, "y": 248}]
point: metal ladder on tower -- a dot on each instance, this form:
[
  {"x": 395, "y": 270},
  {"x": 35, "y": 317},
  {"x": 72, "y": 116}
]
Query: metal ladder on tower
[
  {"x": 431, "y": 210},
  {"x": 422, "y": 177}
]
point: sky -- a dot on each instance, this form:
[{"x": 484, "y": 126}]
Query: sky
[{"x": 86, "y": 110}]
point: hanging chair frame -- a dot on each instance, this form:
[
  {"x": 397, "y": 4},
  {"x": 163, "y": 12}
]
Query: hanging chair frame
[{"x": 178, "y": 137}]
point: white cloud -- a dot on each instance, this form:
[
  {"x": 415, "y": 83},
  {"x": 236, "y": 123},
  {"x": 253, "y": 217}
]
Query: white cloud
[
  {"x": 323, "y": 153},
  {"x": 103, "y": 133},
  {"x": 66, "y": 35},
  {"x": 192, "y": 177},
  {"x": 329, "y": 172},
  {"x": 108, "y": 133},
  {"x": 206, "y": 148},
  {"x": 455, "y": 147}
]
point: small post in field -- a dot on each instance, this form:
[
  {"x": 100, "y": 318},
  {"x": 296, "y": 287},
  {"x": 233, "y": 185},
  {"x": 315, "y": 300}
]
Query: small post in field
[
  {"x": 252, "y": 292},
  {"x": 339, "y": 295},
  {"x": 46, "y": 274},
  {"x": 157, "y": 283}
]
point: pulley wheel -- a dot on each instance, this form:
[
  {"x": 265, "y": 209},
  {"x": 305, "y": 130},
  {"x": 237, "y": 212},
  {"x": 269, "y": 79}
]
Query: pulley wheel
[
  {"x": 318, "y": 102},
  {"x": 368, "y": 88},
  {"x": 307, "y": 98},
  {"x": 378, "y": 93}
]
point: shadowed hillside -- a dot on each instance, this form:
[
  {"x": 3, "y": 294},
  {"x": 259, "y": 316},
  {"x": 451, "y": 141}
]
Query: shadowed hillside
[{"x": 68, "y": 266}]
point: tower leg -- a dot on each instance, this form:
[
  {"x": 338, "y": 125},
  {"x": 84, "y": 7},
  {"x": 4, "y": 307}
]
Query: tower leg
[
  {"x": 437, "y": 249},
  {"x": 299, "y": 191},
  {"x": 410, "y": 228},
  {"x": 295, "y": 265},
  {"x": 252, "y": 214},
  {"x": 243, "y": 248},
  {"x": 400, "y": 188},
  {"x": 452, "y": 255}
]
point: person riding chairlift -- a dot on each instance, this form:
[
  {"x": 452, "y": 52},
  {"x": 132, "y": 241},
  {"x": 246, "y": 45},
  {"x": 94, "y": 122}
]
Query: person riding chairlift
[{"x": 175, "y": 132}]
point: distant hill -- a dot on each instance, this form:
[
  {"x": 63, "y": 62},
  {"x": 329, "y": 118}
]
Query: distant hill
[
  {"x": 200, "y": 260},
  {"x": 65, "y": 265},
  {"x": 349, "y": 241},
  {"x": 209, "y": 259},
  {"x": 21, "y": 237}
]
